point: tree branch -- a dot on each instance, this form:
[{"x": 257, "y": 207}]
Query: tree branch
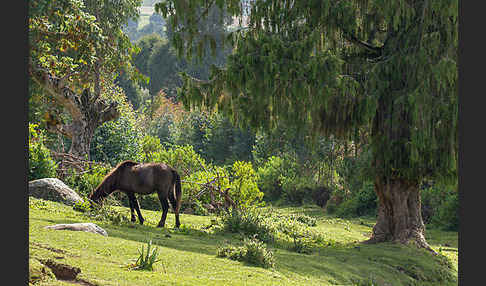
[
  {"x": 56, "y": 87},
  {"x": 109, "y": 113},
  {"x": 363, "y": 44},
  {"x": 63, "y": 129}
]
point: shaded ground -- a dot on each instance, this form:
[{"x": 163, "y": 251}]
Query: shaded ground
[{"x": 189, "y": 255}]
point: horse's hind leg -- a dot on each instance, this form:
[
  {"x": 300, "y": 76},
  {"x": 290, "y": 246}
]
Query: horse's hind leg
[
  {"x": 134, "y": 205},
  {"x": 165, "y": 209},
  {"x": 173, "y": 202}
]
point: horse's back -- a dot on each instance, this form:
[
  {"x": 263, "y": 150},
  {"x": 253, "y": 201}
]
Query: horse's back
[{"x": 148, "y": 177}]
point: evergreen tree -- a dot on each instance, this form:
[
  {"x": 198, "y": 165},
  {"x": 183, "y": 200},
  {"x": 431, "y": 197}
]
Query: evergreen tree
[{"x": 332, "y": 67}]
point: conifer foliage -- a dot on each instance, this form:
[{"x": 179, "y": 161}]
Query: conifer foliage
[{"x": 336, "y": 66}]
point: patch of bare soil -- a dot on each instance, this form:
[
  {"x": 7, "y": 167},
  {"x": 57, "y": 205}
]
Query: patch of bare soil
[{"x": 65, "y": 272}]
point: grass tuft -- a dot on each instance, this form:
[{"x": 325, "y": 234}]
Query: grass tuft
[{"x": 147, "y": 260}]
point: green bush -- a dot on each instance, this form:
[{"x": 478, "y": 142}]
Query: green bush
[
  {"x": 257, "y": 253},
  {"x": 150, "y": 146},
  {"x": 291, "y": 231},
  {"x": 182, "y": 158},
  {"x": 440, "y": 205},
  {"x": 253, "y": 251},
  {"x": 305, "y": 219},
  {"x": 82, "y": 206},
  {"x": 296, "y": 190},
  {"x": 331, "y": 205},
  {"x": 243, "y": 186},
  {"x": 447, "y": 213},
  {"x": 116, "y": 141},
  {"x": 250, "y": 222},
  {"x": 105, "y": 212},
  {"x": 195, "y": 190},
  {"x": 269, "y": 176},
  {"x": 364, "y": 202},
  {"x": 283, "y": 178},
  {"x": 85, "y": 183},
  {"x": 240, "y": 179},
  {"x": 41, "y": 165},
  {"x": 296, "y": 232}
]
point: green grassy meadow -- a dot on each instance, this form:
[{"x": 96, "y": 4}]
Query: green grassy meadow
[{"x": 188, "y": 256}]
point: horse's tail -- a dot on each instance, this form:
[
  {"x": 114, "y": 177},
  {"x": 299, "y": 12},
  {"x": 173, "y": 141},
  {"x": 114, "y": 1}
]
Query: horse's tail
[{"x": 175, "y": 199}]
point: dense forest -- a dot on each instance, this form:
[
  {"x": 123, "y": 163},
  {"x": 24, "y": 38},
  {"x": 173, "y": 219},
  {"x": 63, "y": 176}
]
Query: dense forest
[{"x": 278, "y": 106}]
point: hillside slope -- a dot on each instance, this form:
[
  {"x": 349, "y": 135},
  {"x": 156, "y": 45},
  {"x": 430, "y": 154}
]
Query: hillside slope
[{"x": 188, "y": 256}]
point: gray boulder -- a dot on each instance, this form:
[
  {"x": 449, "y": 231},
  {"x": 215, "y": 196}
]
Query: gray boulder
[
  {"x": 87, "y": 226},
  {"x": 53, "y": 189}
]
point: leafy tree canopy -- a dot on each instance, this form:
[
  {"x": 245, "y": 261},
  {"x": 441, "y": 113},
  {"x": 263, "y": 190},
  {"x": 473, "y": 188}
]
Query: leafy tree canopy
[
  {"x": 333, "y": 67},
  {"x": 76, "y": 50},
  {"x": 72, "y": 39}
]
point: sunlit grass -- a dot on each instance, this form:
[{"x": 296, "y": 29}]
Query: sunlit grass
[{"x": 189, "y": 255}]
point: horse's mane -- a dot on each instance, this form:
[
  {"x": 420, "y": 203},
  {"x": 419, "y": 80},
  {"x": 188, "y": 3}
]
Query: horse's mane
[{"x": 112, "y": 176}]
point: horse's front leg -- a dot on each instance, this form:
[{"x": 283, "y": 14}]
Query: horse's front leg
[
  {"x": 132, "y": 210},
  {"x": 134, "y": 205},
  {"x": 165, "y": 209}
]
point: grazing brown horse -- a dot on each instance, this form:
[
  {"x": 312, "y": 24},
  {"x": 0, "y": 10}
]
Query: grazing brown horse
[{"x": 143, "y": 178}]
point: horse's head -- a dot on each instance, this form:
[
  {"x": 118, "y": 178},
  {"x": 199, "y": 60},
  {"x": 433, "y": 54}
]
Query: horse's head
[
  {"x": 105, "y": 188},
  {"x": 96, "y": 196}
]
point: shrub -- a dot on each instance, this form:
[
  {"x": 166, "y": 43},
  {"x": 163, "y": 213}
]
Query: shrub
[
  {"x": 440, "y": 206},
  {"x": 290, "y": 230},
  {"x": 105, "y": 213},
  {"x": 116, "y": 141},
  {"x": 243, "y": 188},
  {"x": 150, "y": 146},
  {"x": 269, "y": 176},
  {"x": 41, "y": 165},
  {"x": 249, "y": 222},
  {"x": 332, "y": 204},
  {"x": 447, "y": 213},
  {"x": 253, "y": 251},
  {"x": 240, "y": 180},
  {"x": 283, "y": 178},
  {"x": 82, "y": 206},
  {"x": 193, "y": 189},
  {"x": 305, "y": 219},
  {"x": 232, "y": 252},
  {"x": 297, "y": 234},
  {"x": 321, "y": 196},
  {"x": 84, "y": 183},
  {"x": 363, "y": 202},
  {"x": 257, "y": 253},
  {"x": 182, "y": 158}
]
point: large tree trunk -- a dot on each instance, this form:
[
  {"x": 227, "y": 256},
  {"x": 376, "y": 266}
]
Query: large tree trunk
[
  {"x": 82, "y": 133},
  {"x": 399, "y": 213},
  {"x": 87, "y": 110}
]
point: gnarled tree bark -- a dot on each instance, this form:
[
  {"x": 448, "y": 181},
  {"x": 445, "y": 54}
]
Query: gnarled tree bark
[
  {"x": 87, "y": 110},
  {"x": 399, "y": 213}
]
